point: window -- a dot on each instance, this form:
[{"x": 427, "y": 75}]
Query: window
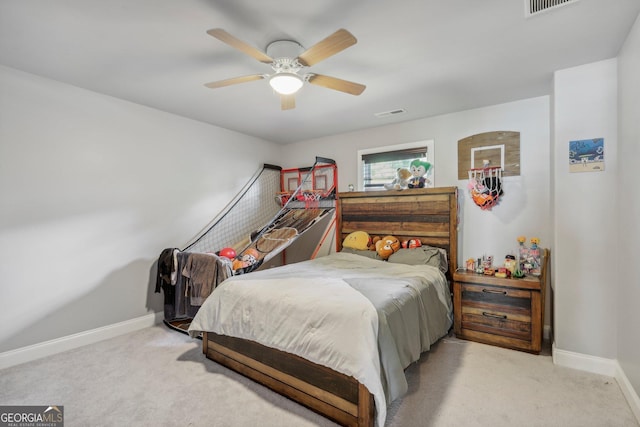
[{"x": 378, "y": 166}]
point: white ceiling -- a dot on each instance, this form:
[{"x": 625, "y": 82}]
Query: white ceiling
[{"x": 426, "y": 56}]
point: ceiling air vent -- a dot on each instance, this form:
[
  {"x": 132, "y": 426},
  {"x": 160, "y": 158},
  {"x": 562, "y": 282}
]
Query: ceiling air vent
[
  {"x": 533, "y": 7},
  {"x": 390, "y": 113}
]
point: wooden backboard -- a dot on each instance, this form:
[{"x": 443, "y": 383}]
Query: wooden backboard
[{"x": 499, "y": 148}]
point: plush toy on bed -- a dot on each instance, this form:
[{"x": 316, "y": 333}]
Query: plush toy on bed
[
  {"x": 374, "y": 240},
  {"x": 419, "y": 169},
  {"x": 387, "y": 246},
  {"x": 401, "y": 180},
  {"x": 359, "y": 240},
  {"x": 411, "y": 244}
]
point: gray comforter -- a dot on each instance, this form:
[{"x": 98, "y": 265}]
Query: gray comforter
[{"x": 365, "y": 318}]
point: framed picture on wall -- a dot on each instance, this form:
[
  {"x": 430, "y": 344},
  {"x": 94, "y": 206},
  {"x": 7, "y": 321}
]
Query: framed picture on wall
[{"x": 586, "y": 155}]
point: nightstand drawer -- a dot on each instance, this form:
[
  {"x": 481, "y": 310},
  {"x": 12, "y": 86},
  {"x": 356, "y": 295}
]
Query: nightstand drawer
[
  {"x": 496, "y": 321},
  {"x": 485, "y": 295},
  {"x": 496, "y": 310}
]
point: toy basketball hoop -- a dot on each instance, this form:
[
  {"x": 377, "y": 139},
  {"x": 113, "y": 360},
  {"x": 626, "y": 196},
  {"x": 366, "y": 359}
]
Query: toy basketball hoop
[
  {"x": 310, "y": 198},
  {"x": 283, "y": 197},
  {"x": 485, "y": 186}
]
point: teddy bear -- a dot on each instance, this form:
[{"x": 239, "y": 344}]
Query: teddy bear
[
  {"x": 387, "y": 246},
  {"x": 374, "y": 240},
  {"x": 419, "y": 169},
  {"x": 401, "y": 181}
]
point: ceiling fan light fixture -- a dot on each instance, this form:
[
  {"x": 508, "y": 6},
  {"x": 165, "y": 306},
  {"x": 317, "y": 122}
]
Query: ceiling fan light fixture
[{"x": 286, "y": 83}]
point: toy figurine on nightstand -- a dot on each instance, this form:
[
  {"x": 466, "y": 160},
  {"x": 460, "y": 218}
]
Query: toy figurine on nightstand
[
  {"x": 534, "y": 256},
  {"x": 510, "y": 264},
  {"x": 529, "y": 258},
  {"x": 523, "y": 253}
]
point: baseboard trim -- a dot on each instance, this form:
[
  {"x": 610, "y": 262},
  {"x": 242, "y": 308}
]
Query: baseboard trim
[
  {"x": 602, "y": 366},
  {"x": 583, "y": 362},
  {"x": 58, "y": 345},
  {"x": 627, "y": 390}
]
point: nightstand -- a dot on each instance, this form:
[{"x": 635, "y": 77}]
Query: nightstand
[{"x": 499, "y": 311}]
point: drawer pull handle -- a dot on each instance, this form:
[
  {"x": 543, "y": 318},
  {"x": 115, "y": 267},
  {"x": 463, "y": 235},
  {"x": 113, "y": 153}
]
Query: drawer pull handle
[
  {"x": 491, "y": 291},
  {"x": 497, "y": 316}
]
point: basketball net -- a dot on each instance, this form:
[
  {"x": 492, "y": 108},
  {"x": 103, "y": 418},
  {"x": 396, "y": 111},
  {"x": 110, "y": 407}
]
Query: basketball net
[
  {"x": 485, "y": 186},
  {"x": 311, "y": 199}
]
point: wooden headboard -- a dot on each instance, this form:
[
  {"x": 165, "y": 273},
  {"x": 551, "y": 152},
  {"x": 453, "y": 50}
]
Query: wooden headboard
[{"x": 428, "y": 214}]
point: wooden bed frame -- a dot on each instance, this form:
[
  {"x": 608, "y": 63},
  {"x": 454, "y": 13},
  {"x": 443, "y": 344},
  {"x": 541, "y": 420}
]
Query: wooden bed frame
[{"x": 430, "y": 215}]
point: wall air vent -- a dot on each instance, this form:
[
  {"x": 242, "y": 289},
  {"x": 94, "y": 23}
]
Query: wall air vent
[
  {"x": 534, "y": 7},
  {"x": 390, "y": 113}
]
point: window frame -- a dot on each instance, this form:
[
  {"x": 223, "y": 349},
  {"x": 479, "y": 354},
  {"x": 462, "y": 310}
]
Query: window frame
[{"x": 429, "y": 143}]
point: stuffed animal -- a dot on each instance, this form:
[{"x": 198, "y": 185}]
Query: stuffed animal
[
  {"x": 387, "y": 246},
  {"x": 401, "y": 180},
  {"x": 357, "y": 240},
  {"x": 411, "y": 244},
  {"x": 419, "y": 169},
  {"x": 374, "y": 240}
]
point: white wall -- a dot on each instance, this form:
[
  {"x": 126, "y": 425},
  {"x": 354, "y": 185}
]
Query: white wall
[
  {"x": 93, "y": 188},
  {"x": 585, "y": 210},
  {"x": 525, "y": 206},
  {"x": 628, "y": 314}
]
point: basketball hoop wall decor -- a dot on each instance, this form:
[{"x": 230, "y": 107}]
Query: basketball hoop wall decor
[
  {"x": 485, "y": 186},
  {"x": 484, "y": 159}
]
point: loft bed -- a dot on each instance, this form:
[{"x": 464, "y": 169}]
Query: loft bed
[{"x": 426, "y": 214}]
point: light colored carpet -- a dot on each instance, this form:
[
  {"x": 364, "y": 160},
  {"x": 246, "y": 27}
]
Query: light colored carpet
[{"x": 159, "y": 377}]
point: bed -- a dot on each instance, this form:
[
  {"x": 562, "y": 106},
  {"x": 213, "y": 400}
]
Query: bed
[{"x": 320, "y": 331}]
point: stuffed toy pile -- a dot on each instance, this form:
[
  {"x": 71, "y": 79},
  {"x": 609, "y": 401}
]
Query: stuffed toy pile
[{"x": 384, "y": 246}]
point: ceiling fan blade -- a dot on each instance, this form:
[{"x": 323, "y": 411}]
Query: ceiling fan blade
[
  {"x": 336, "y": 42},
  {"x": 336, "y": 84},
  {"x": 234, "y": 80},
  {"x": 236, "y": 43},
  {"x": 287, "y": 102}
]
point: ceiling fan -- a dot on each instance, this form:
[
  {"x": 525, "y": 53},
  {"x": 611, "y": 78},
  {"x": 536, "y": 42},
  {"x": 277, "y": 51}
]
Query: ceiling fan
[{"x": 287, "y": 58}]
